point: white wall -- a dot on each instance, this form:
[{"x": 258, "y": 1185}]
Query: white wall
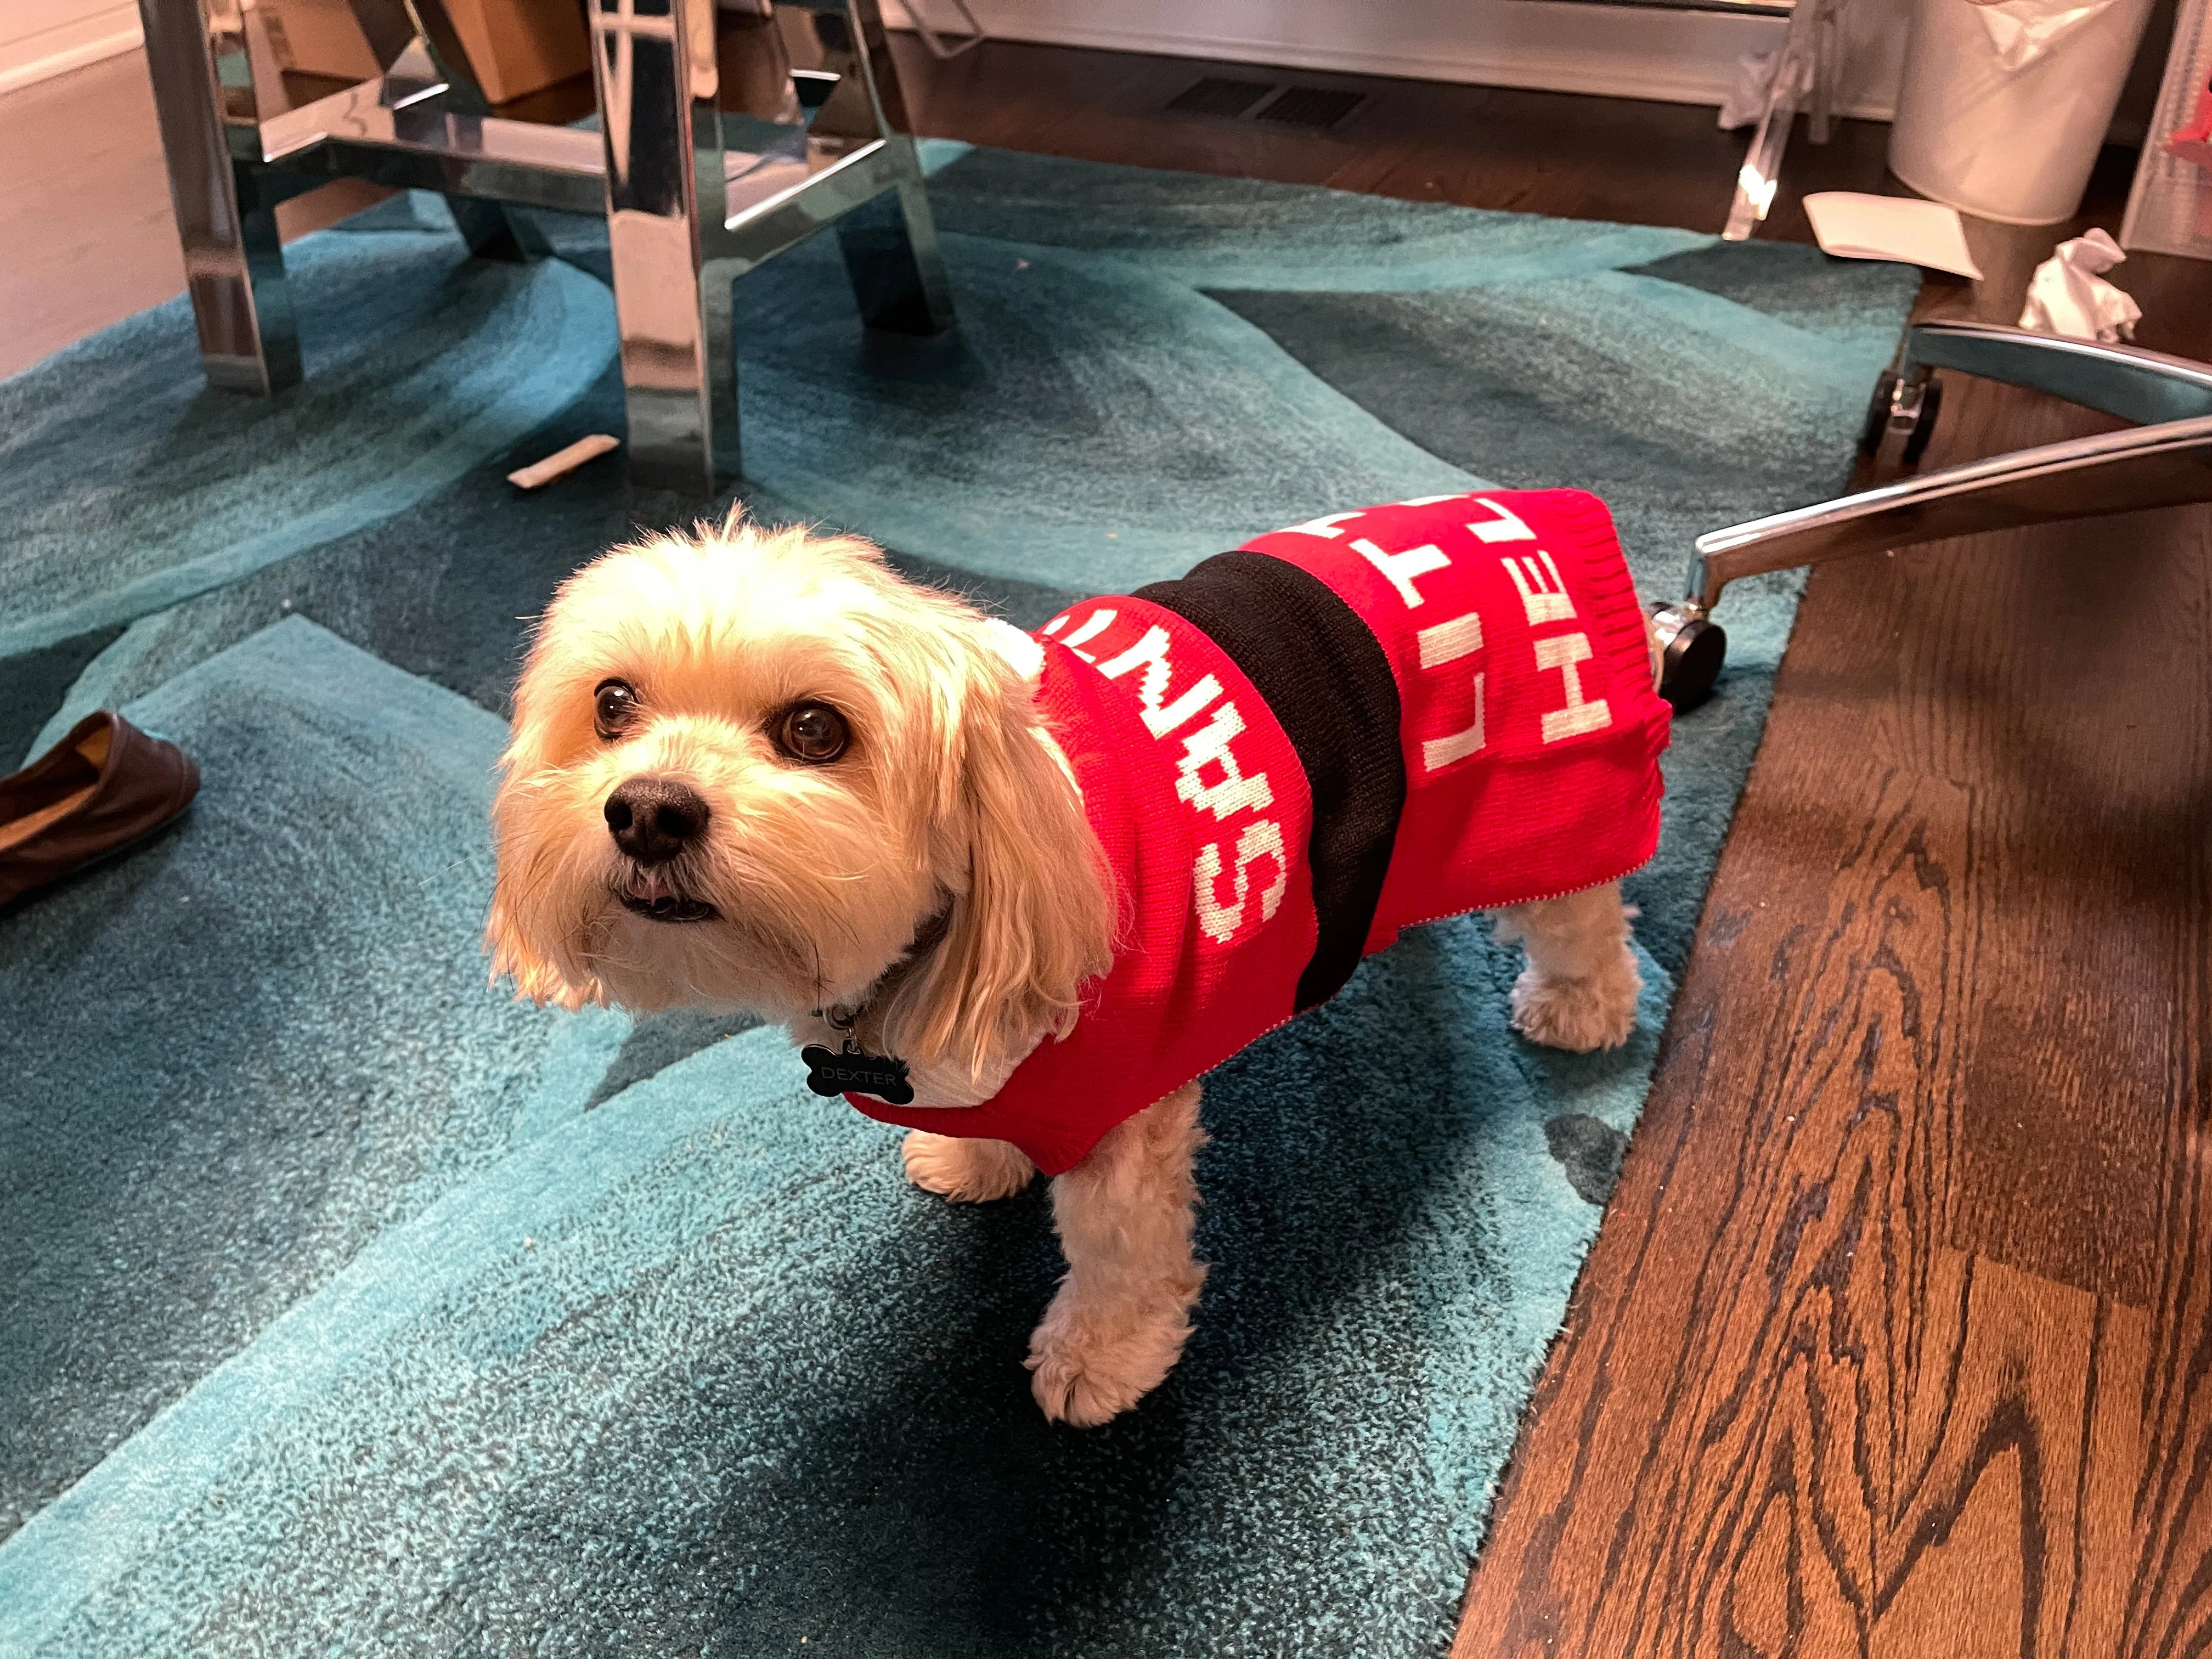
[
  {"x": 1619, "y": 50},
  {"x": 39, "y": 38}
]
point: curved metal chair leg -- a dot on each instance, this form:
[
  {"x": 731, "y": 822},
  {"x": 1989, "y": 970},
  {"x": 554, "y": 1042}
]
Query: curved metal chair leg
[
  {"x": 2164, "y": 462},
  {"x": 2167, "y": 465},
  {"x": 2138, "y": 385}
]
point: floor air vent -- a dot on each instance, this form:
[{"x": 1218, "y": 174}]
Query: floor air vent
[
  {"x": 1316, "y": 107},
  {"x": 1217, "y": 95}
]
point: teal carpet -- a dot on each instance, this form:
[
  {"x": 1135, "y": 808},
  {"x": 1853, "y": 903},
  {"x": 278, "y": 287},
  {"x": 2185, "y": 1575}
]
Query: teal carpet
[{"x": 346, "y": 1306}]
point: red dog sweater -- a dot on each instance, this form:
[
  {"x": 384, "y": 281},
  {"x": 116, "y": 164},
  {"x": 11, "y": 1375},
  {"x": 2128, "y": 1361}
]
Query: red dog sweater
[{"x": 1371, "y": 720}]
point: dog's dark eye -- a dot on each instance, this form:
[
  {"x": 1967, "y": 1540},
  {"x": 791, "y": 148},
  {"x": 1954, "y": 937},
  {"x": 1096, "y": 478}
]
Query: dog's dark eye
[
  {"x": 614, "y": 705},
  {"x": 812, "y": 731}
]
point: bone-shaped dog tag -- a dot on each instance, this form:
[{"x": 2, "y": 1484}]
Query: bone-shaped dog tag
[{"x": 857, "y": 1072}]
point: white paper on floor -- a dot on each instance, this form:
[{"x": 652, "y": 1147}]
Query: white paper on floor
[
  {"x": 2067, "y": 296},
  {"x": 1853, "y": 226}
]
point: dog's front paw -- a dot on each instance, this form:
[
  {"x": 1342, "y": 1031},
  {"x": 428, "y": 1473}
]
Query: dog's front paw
[
  {"x": 1577, "y": 1015},
  {"x": 1088, "y": 1365},
  {"x": 967, "y": 1172}
]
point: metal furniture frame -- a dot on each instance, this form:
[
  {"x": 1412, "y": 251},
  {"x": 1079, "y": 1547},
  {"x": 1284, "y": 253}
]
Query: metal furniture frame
[
  {"x": 2166, "y": 460},
  {"x": 1804, "y": 75},
  {"x": 975, "y": 34},
  {"x": 688, "y": 211},
  {"x": 2170, "y": 204}
]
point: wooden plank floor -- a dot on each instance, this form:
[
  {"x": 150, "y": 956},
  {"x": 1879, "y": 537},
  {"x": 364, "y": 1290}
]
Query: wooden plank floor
[
  {"x": 85, "y": 207},
  {"x": 1897, "y": 1336}
]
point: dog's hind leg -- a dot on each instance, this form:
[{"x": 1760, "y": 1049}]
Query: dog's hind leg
[
  {"x": 1125, "y": 1216},
  {"x": 1579, "y": 989},
  {"x": 964, "y": 1170}
]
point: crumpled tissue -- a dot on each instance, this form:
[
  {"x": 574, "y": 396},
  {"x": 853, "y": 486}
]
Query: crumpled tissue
[
  {"x": 2023, "y": 30},
  {"x": 2067, "y": 296},
  {"x": 1757, "y": 83},
  {"x": 1746, "y": 101}
]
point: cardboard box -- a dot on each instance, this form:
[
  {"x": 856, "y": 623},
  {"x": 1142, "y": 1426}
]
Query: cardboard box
[
  {"x": 522, "y": 47},
  {"x": 515, "y": 46},
  {"x": 319, "y": 37}
]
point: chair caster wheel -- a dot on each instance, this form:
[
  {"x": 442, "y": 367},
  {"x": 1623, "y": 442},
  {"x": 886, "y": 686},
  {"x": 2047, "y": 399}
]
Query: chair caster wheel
[
  {"x": 1692, "y": 650},
  {"x": 1923, "y": 424},
  {"x": 1906, "y": 406},
  {"x": 1877, "y": 414}
]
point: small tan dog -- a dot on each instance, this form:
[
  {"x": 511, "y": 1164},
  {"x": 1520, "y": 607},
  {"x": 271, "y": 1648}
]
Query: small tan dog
[{"x": 757, "y": 770}]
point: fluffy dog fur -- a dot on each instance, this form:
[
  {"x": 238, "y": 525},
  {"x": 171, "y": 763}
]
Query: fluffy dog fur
[{"x": 939, "y": 875}]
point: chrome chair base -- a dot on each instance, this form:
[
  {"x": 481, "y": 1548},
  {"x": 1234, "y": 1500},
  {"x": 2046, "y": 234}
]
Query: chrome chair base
[
  {"x": 687, "y": 212},
  {"x": 2166, "y": 462}
]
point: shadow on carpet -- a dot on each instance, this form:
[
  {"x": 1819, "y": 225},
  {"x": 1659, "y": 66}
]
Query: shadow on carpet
[{"x": 345, "y": 1305}]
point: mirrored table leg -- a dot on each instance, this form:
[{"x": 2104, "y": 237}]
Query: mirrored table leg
[
  {"x": 890, "y": 244},
  {"x": 656, "y": 91},
  {"x": 892, "y": 255},
  {"x": 494, "y": 231},
  {"x": 226, "y": 209}
]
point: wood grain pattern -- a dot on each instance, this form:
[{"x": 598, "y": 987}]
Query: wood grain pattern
[{"x": 1909, "y": 1259}]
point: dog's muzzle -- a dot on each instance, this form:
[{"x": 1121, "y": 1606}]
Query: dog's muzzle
[
  {"x": 669, "y": 907},
  {"x": 649, "y": 893},
  {"x": 654, "y": 820}
]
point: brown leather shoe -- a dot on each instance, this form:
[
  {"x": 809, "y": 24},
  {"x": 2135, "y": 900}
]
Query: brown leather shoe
[{"x": 95, "y": 792}]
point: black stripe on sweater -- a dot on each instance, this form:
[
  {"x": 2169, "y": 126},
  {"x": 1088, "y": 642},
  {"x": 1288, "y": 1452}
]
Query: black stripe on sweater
[{"x": 1324, "y": 676}]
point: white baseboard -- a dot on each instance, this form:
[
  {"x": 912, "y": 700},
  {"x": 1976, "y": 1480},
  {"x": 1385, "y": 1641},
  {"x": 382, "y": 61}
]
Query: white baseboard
[
  {"x": 67, "y": 41},
  {"x": 1618, "y": 52}
]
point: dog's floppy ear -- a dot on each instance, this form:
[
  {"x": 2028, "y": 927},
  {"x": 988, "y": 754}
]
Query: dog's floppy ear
[
  {"x": 535, "y": 907},
  {"x": 526, "y": 935},
  {"x": 523, "y": 936},
  {"x": 1035, "y": 920}
]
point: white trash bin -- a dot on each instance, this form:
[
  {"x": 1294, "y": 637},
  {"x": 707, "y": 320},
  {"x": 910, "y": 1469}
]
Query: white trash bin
[{"x": 2004, "y": 106}]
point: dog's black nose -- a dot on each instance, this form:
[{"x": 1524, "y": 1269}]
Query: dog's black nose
[{"x": 653, "y": 820}]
